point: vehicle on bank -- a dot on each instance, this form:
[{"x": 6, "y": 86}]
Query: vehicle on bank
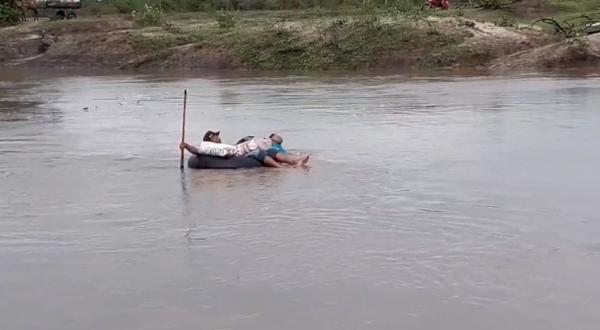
[{"x": 54, "y": 9}]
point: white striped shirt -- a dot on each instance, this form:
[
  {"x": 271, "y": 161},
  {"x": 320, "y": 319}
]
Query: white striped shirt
[{"x": 251, "y": 145}]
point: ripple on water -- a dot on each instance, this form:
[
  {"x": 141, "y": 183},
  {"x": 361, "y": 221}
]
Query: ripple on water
[{"x": 432, "y": 196}]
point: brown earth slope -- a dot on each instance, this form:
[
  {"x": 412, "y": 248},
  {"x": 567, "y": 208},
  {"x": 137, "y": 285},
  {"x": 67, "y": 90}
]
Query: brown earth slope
[
  {"x": 573, "y": 53},
  {"x": 115, "y": 42}
]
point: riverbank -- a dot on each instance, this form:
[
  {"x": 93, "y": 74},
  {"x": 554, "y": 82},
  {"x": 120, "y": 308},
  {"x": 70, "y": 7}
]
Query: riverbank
[{"x": 294, "y": 41}]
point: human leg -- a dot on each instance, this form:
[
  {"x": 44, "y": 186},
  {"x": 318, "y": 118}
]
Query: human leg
[{"x": 283, "y": 157}]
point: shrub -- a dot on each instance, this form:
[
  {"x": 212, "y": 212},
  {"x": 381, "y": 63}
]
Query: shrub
[
  {"x": 255, "y": 5},
  {"x": 225, "y": 20},
  {"x": 492, "y": 4},
  {"x": 126, "y": 6},
  {"x": 505, "y": 21},
  {"x": 150, "y": 16},
  {"x": 222, "y": 4},
  {"x": 98, "y": 9},
  {"x": 157, "y": 43},
  {"x": 192, "y": 5},
  {"x": 172, "y": 28},
  {"x": 8, "y": 15},
  {"x": 407, "y": 5}
]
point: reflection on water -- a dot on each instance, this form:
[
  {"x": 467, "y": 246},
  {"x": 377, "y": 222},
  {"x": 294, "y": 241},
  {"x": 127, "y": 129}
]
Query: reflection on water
[
  {"x": 455, "y": 202},
  {"x": 26, "y": 100}
]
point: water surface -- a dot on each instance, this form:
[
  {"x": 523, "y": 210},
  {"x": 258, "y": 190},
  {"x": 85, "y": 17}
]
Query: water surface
[{"x": 432, "y": 203}]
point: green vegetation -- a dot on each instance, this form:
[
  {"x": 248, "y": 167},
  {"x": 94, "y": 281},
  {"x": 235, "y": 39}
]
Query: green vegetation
[
  {"x": 492, "y": 4},
  {"x": 157, "y": 42},
  {"x": 225, "y": 20},
  {"x": 348, "y": 42},
  {"x": 461, "y": 7},
  {"x": 572, "y": 26},
  {"x": 340, "y": 6},
  {"x": 99, "y": 9},
  {"x": 8, "y": 15},
  {"x": 330, "y": 34},
  {"x": 574, "y": 6},
  {"x": 476, "y": 9},
  {"x": 149, "y": 16},
  {"x": 349, "y": 36},
  {"x": 308, "y": 4},
  {"x": 505, "y": 21}
]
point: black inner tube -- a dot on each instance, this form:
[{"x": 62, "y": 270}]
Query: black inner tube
[{"x": 208, "y": 162}]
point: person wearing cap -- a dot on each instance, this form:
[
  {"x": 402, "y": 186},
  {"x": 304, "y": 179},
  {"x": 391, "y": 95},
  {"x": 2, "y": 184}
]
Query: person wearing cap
[
  {"x": 273, "y": 148},
  {"x": 253, "y": 148},
  {"x": 279, "y": 153},
  {"x": 209, "y": 136}
]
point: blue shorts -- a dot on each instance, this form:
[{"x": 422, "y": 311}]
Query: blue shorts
[
  {"x": 272, "y": 152},
  {"x": 258, "y": 154}
]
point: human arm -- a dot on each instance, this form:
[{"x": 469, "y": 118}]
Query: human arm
[{"x": 189, "y": 148}]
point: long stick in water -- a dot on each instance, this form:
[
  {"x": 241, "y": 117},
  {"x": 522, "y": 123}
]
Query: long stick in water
[{"x": 183, "y": 127}]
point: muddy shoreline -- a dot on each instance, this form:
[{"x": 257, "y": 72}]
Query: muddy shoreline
[{"x": 345, "y": 44}]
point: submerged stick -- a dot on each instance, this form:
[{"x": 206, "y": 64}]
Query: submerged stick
[{"x": 183, "y": 127}]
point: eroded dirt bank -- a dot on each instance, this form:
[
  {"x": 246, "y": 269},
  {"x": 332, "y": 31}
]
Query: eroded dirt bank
[{"x": 291, "y": 44}]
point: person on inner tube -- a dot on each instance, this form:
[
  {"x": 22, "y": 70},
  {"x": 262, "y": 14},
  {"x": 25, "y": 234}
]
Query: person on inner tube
[
  {"x": 249, "y": 149},
  {"x": 271, "y": 147},
  {"x": 276, "y": 150}
]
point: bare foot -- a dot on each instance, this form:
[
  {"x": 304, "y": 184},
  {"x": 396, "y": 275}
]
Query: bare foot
[
  {"x": 298, "y": 159},
  {"x": 303, "y": 162}
]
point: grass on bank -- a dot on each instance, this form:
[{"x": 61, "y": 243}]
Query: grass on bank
[
  {"x": 574, "y": 6},
  {"x": 279, "y": 43},
  {"x": 319, "y": 38}
]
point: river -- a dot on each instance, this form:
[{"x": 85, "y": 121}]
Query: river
[{"x": 432, "y": 203}]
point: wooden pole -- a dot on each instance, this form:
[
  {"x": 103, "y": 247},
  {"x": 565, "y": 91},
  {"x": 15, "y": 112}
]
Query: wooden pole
[{"x": 183, "y": 127}]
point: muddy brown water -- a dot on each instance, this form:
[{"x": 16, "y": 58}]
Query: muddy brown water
[{"x": 432, "y": 203}]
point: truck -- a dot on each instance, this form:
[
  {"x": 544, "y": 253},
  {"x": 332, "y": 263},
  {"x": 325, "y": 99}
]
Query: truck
[{"x": 60, "y": 9}]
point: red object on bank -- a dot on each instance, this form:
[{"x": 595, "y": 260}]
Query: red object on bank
[{"x": 442, "y": 4}]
